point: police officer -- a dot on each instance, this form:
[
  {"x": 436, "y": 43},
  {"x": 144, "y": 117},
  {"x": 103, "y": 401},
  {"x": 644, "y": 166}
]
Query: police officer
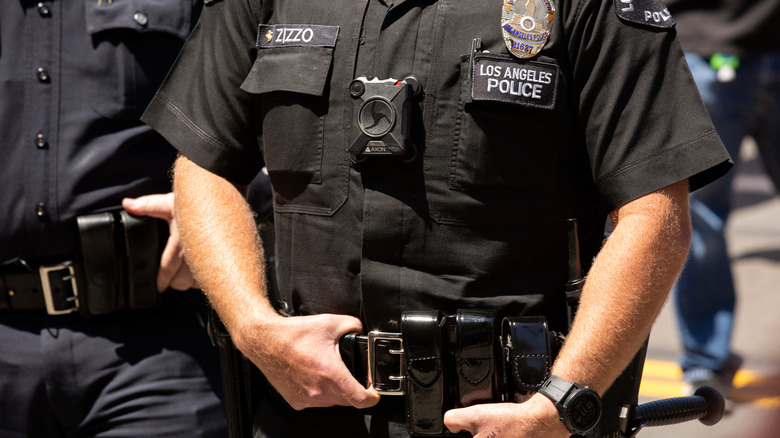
[
  {"x": 512, "y": 118},
  {"x": 90, "y": 347}
]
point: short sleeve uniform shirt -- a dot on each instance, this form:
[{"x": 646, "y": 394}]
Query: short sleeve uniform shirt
[{"x": 506, "y": 148}]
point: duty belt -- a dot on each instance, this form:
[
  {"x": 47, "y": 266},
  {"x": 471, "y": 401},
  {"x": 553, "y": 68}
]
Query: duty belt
[
  {"x": 440, "y": 362},
  {"x": 115, "y": 269}
]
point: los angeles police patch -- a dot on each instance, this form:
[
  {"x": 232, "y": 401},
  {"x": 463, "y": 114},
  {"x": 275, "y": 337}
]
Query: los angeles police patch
[
  {"x": 529, "y": 83},
  {"x": 526, "y": 25},
  {"x": 647, "y": 12}
]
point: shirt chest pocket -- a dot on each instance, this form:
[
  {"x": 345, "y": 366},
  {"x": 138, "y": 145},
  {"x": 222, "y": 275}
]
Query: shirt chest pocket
[
  {"x": 510, "y": 131},
  {"x": 290, "y": 77},
  {"x": 134, "y": 43},
  {"x": 511, "y": 140}
]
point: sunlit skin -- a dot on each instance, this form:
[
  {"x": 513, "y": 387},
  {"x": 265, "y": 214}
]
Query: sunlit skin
[{"x": 626, "y": 288}]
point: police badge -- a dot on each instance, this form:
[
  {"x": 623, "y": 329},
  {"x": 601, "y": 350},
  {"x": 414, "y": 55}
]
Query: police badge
[{"x": 526, "y": 25}]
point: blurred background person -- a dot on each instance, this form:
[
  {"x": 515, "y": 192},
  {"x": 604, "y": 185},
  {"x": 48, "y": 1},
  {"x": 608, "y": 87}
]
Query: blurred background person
[{"x": 733, "y": 50}]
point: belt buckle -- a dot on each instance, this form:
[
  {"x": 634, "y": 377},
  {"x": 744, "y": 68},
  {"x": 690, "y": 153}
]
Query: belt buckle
[
  {"x": 44, "y": 272},
  {"x": 385, "y": 383}
]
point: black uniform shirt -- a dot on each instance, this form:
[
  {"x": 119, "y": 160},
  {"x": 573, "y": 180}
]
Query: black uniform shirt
[
  {"x": 479, "y": 218},
  {"x": 75, "y": 77}
]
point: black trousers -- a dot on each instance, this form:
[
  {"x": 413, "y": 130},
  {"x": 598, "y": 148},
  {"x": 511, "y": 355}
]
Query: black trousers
[
  {"x": 146, "y": 373},
  {"x": 274, "y": 418}
]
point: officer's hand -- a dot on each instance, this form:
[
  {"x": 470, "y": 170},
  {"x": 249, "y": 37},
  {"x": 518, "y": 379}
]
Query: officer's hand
[
  {"x": 300, "y": 358},
  {"x": 537, "y": 417},
  {"x": 174, "y": 271}
]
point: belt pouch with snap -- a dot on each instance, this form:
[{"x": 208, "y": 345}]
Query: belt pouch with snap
[
  {"x": 423, "y": 346},
  {"x": 143, "y": 259},
  {"x": 100, "y": 267},
  {"x": 527, "y": 357},
  {"x": 475, "y": 357}
]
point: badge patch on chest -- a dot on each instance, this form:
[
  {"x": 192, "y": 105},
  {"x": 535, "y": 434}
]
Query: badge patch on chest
[
  {"x": 527, "y": 83},
  {"x": 526, "y": 25},
  {"x": 646, "y": 12}
]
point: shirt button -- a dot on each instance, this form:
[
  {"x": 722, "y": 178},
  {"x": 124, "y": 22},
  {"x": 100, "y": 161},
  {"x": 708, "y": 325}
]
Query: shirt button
[
  {"x": 40, "y": 210},
  {"x": 43, "y": 76},
  {"x": 141, "y": 18},
  {"x": 40, "y": 141},
  {"x": 43, "y": 10}
]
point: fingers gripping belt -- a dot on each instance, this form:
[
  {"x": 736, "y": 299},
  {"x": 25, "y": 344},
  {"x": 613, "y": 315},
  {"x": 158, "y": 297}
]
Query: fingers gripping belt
[{"x": 440, "y": 362}]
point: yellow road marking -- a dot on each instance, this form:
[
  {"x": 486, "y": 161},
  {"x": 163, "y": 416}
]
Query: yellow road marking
[{"x": 662, "y": 379}]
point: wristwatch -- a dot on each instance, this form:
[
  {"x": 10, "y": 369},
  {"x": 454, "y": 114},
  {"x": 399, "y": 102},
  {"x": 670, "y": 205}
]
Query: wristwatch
[{"x": 579, "y": 406}]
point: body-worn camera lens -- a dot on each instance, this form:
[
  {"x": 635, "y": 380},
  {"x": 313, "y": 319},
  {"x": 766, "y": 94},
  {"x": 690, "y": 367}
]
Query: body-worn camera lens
[{"x": 377, "y": 117}]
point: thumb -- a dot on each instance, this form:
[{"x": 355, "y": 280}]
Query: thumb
[
  {"x": 457, "y": 420},
  {"x": 159, "y": 206},
  {"x": 353, "y": 393}
]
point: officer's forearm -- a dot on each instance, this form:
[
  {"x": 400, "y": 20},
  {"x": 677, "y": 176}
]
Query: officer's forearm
[
  {"x": 627, "y": 287},
  {"x": 221, "y": 244}
]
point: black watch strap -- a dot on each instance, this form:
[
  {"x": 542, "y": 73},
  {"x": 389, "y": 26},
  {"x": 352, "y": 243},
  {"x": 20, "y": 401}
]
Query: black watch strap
[
  {"x": 557, "y": 389},
  {"x": 579, "y": 406}
]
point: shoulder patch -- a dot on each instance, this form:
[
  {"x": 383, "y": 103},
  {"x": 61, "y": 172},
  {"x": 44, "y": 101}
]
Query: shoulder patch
[{"x": 651, "y": 13}]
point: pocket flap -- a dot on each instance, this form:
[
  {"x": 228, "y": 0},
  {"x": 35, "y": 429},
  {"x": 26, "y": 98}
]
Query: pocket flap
[
  {"x": 296, "y": 69},
  {"x": 172, "y": 17},
  {"x": 294, "y": 58}
]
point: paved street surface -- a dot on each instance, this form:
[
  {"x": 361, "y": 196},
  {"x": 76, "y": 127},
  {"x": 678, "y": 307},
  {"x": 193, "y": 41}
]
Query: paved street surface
[{"x": 754, "y": 244}]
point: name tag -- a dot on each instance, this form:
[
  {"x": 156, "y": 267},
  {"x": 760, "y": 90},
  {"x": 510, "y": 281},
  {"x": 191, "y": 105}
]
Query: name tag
[
  {"x": 527, "y": 83},
  {"x": 290, "y": 35}
]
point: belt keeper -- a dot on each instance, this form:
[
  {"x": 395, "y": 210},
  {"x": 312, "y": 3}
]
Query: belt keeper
[{"x": 354, "y": 350}]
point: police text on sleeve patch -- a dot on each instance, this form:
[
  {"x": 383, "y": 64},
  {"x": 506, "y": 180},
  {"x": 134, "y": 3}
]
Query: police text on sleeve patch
[
  {"x": 289, "y": 35},
  {"x": 521, "y": 82},
  {"x": 647, "y": 12}
]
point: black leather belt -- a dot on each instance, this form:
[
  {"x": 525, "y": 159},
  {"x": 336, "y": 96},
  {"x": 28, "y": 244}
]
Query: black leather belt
[
  {"x": 115, "y": 269},
  {"x": 51, "y": 287},
  {"x": 440, "y": 362}
]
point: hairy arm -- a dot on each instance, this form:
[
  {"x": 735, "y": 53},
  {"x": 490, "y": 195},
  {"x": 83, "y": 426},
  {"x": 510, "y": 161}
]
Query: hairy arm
[
  {"x": 298, "y": 355},
  {"x": 625, "y": 291},
  {"x": 221, "y": 243},
  {"x": 627, "y": 287}
]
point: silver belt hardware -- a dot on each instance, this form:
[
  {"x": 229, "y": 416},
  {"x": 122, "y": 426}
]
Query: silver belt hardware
[
  {"x": 394, "y": 383},
  {"x": 44, "y": 272}
]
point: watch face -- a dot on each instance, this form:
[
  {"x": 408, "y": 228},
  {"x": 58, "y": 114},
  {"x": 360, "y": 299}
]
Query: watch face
[{"x": 585, "y": 411}]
